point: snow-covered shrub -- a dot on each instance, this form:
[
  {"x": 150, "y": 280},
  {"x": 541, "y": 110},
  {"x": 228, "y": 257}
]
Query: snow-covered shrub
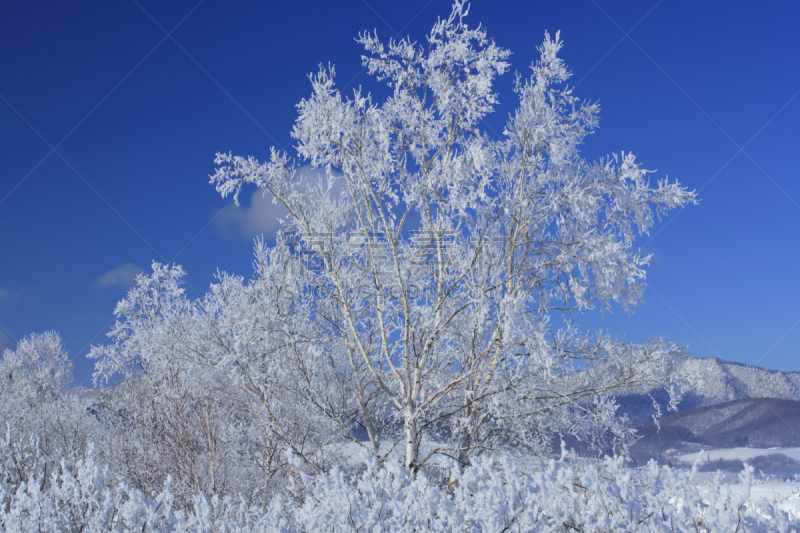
[
  {"x": 490, "y": 495},
  {"x": 85, "y": 498},
  {"x": 493, "y": 495}
]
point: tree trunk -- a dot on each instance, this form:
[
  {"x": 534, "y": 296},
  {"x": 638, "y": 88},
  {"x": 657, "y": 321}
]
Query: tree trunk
[{"x": 412, "y": 446}]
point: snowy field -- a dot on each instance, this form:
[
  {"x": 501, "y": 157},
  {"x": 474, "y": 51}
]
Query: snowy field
[
  {"x": 743, "y": 454},
  {"x": 784, "y": 495}
]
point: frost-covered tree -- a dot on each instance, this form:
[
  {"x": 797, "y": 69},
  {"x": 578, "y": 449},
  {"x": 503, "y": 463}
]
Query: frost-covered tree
[
  {"x": 43, "y": 422},
  {"x": 166, "y": 418},
  {"x": 248, "y": 333},
  {"x": 437, "y": 268},
  {"x": 183, "y": 407},
  {"x": 38, "y": 369}
]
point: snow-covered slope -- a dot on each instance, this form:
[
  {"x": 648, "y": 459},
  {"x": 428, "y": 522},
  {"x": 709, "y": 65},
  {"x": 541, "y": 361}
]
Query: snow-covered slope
[
  {"x": 756, "y": 422},
  {"x": 726, "y": 381},
  {"x": 722, "y": 381}
]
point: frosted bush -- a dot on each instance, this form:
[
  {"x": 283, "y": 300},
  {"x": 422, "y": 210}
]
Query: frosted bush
[
  {"x": 490, "y": 495},
  {"x": 493, "y": 495}
]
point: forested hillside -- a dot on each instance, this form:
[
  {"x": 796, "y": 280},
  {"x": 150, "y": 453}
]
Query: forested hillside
[
  {"x": 717, "y": 382},
  {"x": 748, "y": 422}
]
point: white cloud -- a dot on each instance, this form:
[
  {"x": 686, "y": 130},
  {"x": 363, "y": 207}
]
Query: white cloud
[
  {"x": 261, "y": 216},
  {"x": 124, "y": 276}
]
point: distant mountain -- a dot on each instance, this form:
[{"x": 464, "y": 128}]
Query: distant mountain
[
  {"x": 726, "y": 381},
  {"x": 723, "y": 381},
  {"x": 752, "y": 422}
]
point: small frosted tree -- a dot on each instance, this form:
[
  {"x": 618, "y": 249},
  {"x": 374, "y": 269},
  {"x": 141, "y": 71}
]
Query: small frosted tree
[
  {"x": 165, "y": 418},
  {"x": 37, "y": 369},
  {"x": 183, "y": 407},
  {"x": 43, "y": 422},
  {"x": 439, "y": 254}
]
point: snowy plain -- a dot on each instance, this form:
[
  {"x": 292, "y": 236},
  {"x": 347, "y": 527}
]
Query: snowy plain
[
  {"x": 743, "y": 454},
  {"x": 784, "y": 495}
]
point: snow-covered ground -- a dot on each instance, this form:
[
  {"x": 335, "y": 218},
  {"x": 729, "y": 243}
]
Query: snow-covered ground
[
  {"x": 743, "y": 454},
  {"x": 785, "y": 496}
]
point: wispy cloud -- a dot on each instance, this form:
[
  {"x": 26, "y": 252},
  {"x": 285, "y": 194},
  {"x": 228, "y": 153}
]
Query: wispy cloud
[
  {"x": 262, "y": 216},
  {"x": 124, "y": 276}
]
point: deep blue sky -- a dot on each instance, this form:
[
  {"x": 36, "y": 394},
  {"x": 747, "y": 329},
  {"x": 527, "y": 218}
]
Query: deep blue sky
[{"x": 706, "y": 94}]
